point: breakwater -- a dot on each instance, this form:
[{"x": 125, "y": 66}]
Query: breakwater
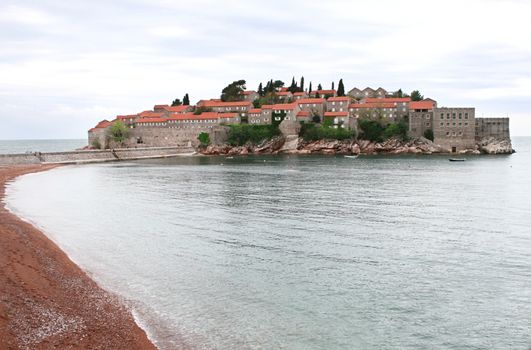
[{"x": 92, "y": 156}]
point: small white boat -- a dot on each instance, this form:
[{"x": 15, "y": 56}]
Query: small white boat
[
  {"x": 229, "y": 157},
  {"x": 456, "y": 160},
  {"x": 353, "y": 157}
]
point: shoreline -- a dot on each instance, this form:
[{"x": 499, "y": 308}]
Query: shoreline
[{"x": 46, "y": 300}]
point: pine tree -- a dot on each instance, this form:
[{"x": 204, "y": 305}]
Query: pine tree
[
  {"x": 340, "y": 88},
  {"x": 301, "y": 88},
  {"x": 319, "y": 87},
  {"x": 186, "y": 100},
  {"x": 176, "y": 102}
]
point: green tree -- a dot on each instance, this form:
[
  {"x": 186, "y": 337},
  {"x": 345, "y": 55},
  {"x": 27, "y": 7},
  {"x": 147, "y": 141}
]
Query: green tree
[
  {"x": 399, "y": 93},
  {"x": 429, "y": 134},
  {"x": 118, "y": 132},
  {"x": 301, "y": 88},
  {"x": 260, "y": 90},
  {"x": 257, "y": 103},
  {"x": 96, "y": 144},
  {"x": 176, "y": 102},
  {"x": 371, "y": 130},
  {"x": 416, "y": 96},
  {"x": 233, "y": 91},
  {"x": 310, "y": 87},
  {"x": 204, "y": 138},
  {"x": 396, "y": 130},
  {"x": 293, "y": 86},
  {"x": 333, "y": 85},
  {"x": 186, "y": 100},
  {"x": 277, "y": 84},
  {"x": 316, "y": 118},
  {"x": 202, "y": 109},
  {"x": 319, "y": 87},
  {"x": 340, "y": 88}
]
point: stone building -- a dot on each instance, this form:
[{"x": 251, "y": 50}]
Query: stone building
[
  {"x": 340, "y": 119},
  {"x": 323, "y": 93},
  {"x": 289, "y": 110},
  {"x": 304, "y": 116},
  {"x": 97, "y": 136},
  {"x": 420, "y": 117},
  {"x": 338, "y": 104},
  {"x": 384, "y": 111},
  {"x": 316, "y": 106},
  {"x": 300, "y": 95},
  {"x": 401, "y": 104},
  {"x": 454, "y": 128},
  {"x": 497, "y": 128},
  {"x": 367, "y": 93},
  {"x": 250, "y": 95},
  {"x": 241, "y": 107}
]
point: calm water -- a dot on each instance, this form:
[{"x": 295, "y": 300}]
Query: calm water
[
  {"x": 23, "y": 146},
  {"x": 304, "y": 252}
]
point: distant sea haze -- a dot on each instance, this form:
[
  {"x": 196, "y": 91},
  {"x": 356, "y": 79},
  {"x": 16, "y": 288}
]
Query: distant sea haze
[
  {"x": 303, "y": 252},
  {"x": 24, "y": 146}
]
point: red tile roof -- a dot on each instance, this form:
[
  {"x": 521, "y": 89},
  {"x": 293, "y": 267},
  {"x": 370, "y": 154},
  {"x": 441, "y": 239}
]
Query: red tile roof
[
  {"x": 248, "y": 92},
  {"x": 388, "y": 99},
  {"x": 421, "y": 105},
  {"x": 121, "y": 117},
  {"x": 299, "y": 93},
  {"x": 151, "y": 114},
  {"x": 336, "y": 114},
  {"x": 151, "y": 120},
  {"x": 202, "y": 116},
  {"x": 103, "y": 124},
  {"x": 284, "y": 106},
  {"x": 284, "y": 93},
  {"x": 177, "y": 109},
  {"x": 267, "y": 106},
  {"x": 255, "y": 110},
  {"x": 339, "y": 99},
  {"x": 160, "y": 106},
  {"x": 303, "y": 114},
  {"x": 323, "y": 92},
  {"x": 311, "y": 100},
  {"x": 283, "y": 89}
]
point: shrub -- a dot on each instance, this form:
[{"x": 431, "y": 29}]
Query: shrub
[
  {"x": 240, "y": 134},
  {"x": 429, "y": 134},
  {"x": 96, "y": 143},
  {"x": 398, "y": 130},
  {"x": 204, "y": 138},
  {"x": 310, "y": 132},
  {"x": 371, "y": 130},
  {"x": 118, "y": 131}
]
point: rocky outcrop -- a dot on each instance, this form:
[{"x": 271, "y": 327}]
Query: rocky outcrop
[
  {"x": 491, "y": 145},
  {"x": 289, "y": 128}
]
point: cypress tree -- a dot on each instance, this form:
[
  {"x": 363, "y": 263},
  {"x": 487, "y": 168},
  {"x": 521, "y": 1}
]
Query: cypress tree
[
  {"x": 301, "y": 88},
  {"x": 319, "y": 87},
  {"x": 310, "y": 88},
  {"x": 186, "y": 100},
  {"x": 332, "y": 85},
  {"x": 293, "y": 85},
  {"x": 340, "y": 88},
  {"x": 260, "y": 90}
]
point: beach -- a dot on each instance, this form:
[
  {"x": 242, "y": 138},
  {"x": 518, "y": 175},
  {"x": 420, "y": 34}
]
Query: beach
[{"x": 47, "y": 301}]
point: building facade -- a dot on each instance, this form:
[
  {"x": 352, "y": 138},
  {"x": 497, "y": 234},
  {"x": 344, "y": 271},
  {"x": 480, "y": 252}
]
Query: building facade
[{"x": 454, "y": 128}]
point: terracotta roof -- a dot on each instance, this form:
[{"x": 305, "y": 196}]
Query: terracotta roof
[
  {"x": 299, "y": 93},
  {"x": 177, "y": 109},
  {"x": 339, "y": 99},
  {"x": 151, "y": 114},
  {"x": 285, "y": 106},
  {"x": 388, "y": 99},
  {"x": 282, "y": 89},
  {"x": 311, "y": 100},
  {"x": 323, "y": 92},
  {"x": 373, "y": 105},
  {"x": 160, "y": 106},
  {"x": 151, "y": 120},
  {"x": 103, "y": 124},
  {"x": 421, "y": 105},
  {"x": 226, "y": 104},
  {"x": 336, "y": 114},
  {"x": 202, "y": 116},
  {"x": 303, "y": 114},
  {"x": 267, "y": 106},
  {"x": 132, "y": 116},
  {"x": 248, "y": 92},
  {"x": 255, "y": 110},
  {"x": 284, "y": 93}
]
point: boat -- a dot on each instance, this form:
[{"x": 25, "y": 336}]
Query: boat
[
  {"x": 456, "y": 160},
  {"x": 354, "y": 157},
  {"x": 229, "y": 157}
]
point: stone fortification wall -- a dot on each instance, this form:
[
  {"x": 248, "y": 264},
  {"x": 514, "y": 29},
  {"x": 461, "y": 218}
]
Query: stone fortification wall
[
  {"x": 93, "y": 155},
  {"x": 497, "y": 128}
]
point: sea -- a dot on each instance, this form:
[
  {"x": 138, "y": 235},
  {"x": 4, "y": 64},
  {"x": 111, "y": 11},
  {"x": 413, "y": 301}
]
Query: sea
[
  {"x": 30, "y": 146},
  {"x": 302, "y": 252}
]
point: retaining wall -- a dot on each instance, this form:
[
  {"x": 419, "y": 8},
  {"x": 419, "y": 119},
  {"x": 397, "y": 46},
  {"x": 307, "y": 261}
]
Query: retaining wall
[{"x": 93, "y": 155}]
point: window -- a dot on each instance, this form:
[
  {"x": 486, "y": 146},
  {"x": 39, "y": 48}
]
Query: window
[
  {"x": 447, "y": 133},
  {"x": 442, "y": 124},
  {"x": 460, "y": 115}
]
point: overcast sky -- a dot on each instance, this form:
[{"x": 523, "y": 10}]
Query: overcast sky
[{"x": 65, "y": 65}]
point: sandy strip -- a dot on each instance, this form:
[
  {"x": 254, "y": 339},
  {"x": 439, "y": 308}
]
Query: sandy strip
[{"x": 47, "y": 301}]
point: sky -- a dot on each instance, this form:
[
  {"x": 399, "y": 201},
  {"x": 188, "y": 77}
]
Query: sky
[{"x": 65, "y": 65}]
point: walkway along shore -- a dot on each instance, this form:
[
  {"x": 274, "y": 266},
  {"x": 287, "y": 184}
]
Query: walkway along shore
[{"x": 47, "y": 301}]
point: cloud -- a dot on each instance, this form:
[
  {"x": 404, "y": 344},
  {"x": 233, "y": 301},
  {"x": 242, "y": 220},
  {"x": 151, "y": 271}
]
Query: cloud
[{"x": 100, "y": 58}]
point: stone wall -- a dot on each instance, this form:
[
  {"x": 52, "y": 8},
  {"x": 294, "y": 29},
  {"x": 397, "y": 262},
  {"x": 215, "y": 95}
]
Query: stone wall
[
  {"x": 497, "y": 128},
  {"x": 454, "y": 129},
  {"x": 93, "y": 155}
]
